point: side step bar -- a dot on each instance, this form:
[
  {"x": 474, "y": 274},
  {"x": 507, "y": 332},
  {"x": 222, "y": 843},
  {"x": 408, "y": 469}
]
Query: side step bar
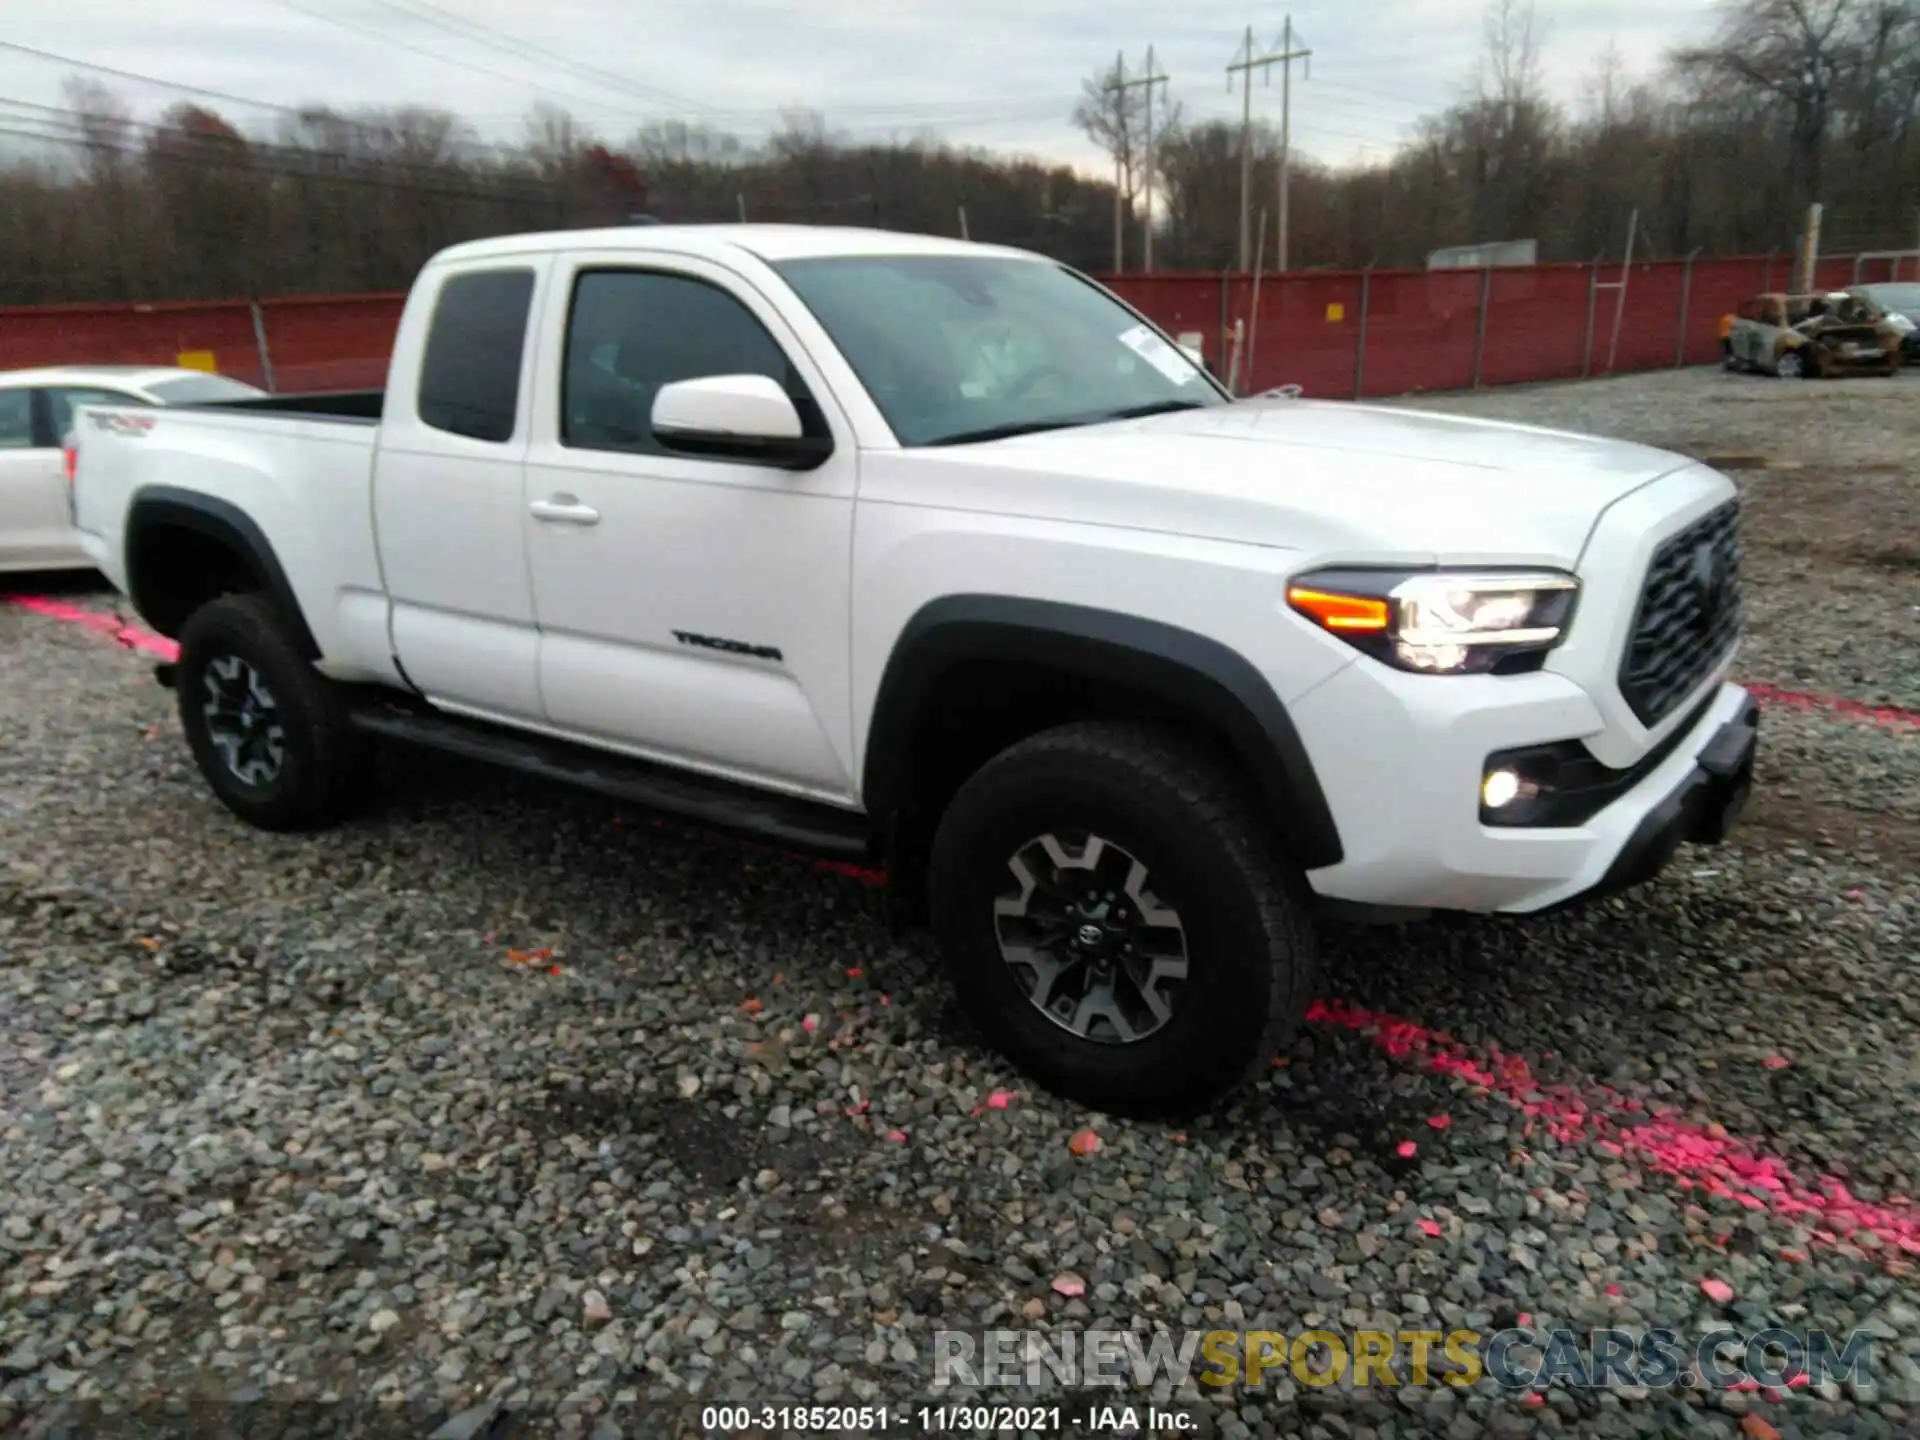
[{"x": 802, "y": 824}]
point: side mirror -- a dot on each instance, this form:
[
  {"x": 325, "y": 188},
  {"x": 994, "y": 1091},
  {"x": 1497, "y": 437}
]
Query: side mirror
[{"x": 736, "y": 417}]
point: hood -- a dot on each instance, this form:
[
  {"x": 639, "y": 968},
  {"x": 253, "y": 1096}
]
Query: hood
[{"x": 1369, "y": 481}]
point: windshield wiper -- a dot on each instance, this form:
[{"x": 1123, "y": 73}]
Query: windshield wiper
[
  {"x": 1152, "y": 407},
  {"x": 1007, "y": 431},
  {"x": 1071, "y": 422}
]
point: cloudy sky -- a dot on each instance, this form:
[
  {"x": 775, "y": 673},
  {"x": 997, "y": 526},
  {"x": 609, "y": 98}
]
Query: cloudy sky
[{"x": 1000, "y": 73}]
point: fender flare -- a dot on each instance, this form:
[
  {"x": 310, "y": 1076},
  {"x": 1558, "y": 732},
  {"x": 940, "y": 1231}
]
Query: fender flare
[
  {"x": 1190, "y": 671},
  {"x": 155, "y": 506}
]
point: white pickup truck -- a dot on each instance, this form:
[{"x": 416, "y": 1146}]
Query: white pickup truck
[{"x": 939, "y": 557}]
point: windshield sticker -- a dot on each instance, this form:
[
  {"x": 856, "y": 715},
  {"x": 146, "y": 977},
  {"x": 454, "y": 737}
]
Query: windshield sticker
[{"x": 1157, "y": 353}]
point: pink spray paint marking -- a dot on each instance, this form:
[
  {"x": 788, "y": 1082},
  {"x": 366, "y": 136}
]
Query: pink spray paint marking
[
  {"x": 1724, "y": 1167},
  {"x": 131, "y": 636},
  {"x": 1618, "y": 1124},
  {"x": 1888, "y": 715},
  {"x": 134, "y": 637}
]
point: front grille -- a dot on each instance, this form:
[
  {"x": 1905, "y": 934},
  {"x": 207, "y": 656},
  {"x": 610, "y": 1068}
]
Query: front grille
[{"x": 1689, "y": 615}]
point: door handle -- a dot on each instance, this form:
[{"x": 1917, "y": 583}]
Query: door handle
[{"x": 565, "y": 510}]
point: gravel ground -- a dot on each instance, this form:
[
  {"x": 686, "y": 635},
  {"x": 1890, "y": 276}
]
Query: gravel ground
[{"x": 321, "y": 1124}]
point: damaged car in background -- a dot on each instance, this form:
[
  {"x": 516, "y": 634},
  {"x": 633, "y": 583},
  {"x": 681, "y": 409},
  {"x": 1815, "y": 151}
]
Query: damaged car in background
[
  {"x": 1899, "y": 301},
  {"x": 1807, "y": 336}
]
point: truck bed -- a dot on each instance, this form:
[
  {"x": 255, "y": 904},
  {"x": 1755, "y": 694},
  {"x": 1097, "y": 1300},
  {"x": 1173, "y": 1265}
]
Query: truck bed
[
  {"x": 298, "y": 467},
  {"x": 352, "y": 407}
]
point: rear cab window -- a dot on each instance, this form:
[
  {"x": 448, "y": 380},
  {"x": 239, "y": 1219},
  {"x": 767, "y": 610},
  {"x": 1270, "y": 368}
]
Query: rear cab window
[
  {"x": 63, "y": 401},
  {"x": 470, "y": 372},
  {"x": 16, "y": 419}
]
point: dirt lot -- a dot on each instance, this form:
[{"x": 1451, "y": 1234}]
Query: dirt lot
[{"x": 460, "y": 1117}]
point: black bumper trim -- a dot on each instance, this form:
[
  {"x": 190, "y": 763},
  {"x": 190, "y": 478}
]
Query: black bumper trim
[
  {"x": 1701, "y": 809},
  {"x": 1580, "y": 786}
]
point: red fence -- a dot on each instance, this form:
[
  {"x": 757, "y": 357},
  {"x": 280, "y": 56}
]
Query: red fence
[
  {"x": 1387, "y": 332},
  {"x": 1334, "y": 333},
  {"x": 319, "y": 342}
]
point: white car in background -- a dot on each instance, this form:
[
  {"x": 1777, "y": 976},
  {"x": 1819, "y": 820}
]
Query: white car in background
[{"x": 36, "y": 414}]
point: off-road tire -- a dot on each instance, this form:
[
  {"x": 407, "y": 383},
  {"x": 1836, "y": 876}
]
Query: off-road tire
[
  {"x": 1245, "y": 910},
  {"x": 326, "y": 766}
]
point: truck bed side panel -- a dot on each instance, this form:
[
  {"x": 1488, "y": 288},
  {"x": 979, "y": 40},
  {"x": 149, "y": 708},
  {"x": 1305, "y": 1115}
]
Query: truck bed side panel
[{"x": 305, "y": 484}]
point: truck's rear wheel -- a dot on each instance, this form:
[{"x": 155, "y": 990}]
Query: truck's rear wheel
[
  {"x": 268, "y": 731},
  {"x": 1115, "y": 921}
]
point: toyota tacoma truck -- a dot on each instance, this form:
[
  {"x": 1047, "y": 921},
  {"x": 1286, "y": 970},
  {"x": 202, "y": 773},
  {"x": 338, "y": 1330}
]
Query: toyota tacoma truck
[{"x": 938, "y": 557}]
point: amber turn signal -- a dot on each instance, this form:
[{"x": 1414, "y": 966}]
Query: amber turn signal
[{"x": 1338, "y": 612}]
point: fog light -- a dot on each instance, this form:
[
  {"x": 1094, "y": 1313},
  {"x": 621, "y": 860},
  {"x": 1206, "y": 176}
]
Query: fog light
[{"x": 1501, "y": 787}]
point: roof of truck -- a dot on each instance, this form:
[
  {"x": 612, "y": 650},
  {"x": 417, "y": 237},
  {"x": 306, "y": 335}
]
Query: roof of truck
[{"x": 768, "y": 242}]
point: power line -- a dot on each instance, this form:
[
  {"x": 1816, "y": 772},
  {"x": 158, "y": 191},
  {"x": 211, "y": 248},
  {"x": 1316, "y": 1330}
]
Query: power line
[
  {"x": 906, "y": 112},
  {"x": 956, "y": 112},
  {"x": 1210, "y": 116},
  {"x": 76, "y": 121},
  {"x": 252, "y": 165},
  {"x": 514, "y": 45},
  {"x": 508, "y": 178},
  {"x": 301, "y": 113},
  {"x": 222, "y": 96},
  {"x": 205, "y": 153},
  {"x": 386, "y": 39}
]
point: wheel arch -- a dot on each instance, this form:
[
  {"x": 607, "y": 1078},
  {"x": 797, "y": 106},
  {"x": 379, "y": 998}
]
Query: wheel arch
[
  {"x": 1182, "y": 674},
  {"x": 184, "y": 549}
]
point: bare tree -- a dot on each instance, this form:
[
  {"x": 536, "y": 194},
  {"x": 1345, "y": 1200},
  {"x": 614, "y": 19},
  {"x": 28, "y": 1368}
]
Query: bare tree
[
  {"x": 105, "y": 123},
  {"x": 1796, "y": 54},
  {"x": 1199, "y": 166},
  {"x": 1115, "y": 119},
  {"x": 1604, "y": 86},
  {"x": 1510, "y": 64},
  {"x": 1716, "y": 151}
]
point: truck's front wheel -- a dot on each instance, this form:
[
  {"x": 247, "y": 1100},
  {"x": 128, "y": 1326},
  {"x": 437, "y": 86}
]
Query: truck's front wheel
[
  {"x": 268, "y": 731},
  {"x": 1115, "y": 920}
]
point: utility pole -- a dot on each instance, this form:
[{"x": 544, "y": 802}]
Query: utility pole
[
  {"x": 1244, "y": 63},
  {"x": 1121, "y": 85},
  {"x": 1809, "y": 250},
  {"x": 1287, "y": 56},
  {"x": 1150, "y": 81},
  {"x": 1244, "y": 67}
]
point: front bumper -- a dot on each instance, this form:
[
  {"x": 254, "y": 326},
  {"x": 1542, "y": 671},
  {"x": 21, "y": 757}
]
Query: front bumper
[
  {"x": 1701, "y": 810},
  {"x": 1401, "y": 767}
]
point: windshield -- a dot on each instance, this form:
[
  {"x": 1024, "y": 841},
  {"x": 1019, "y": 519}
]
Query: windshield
[
  {"x": 955, "y": 348},
  {"x": 199, "y": 389},
  {"x": 1901, "y": 299}
]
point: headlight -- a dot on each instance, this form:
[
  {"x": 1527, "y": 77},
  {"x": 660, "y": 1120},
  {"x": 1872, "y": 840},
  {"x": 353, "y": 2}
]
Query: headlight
[{"x": 1442, "y": 622}]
